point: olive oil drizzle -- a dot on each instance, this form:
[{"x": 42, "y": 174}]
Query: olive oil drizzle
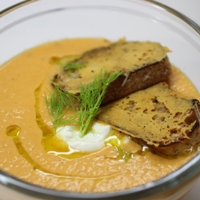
[
  {"x": 53, "y": 145},
  {"x": 48, "y": 132},
  {"x": 123, "y": 153},
  {"x": 13, "y": 131}
]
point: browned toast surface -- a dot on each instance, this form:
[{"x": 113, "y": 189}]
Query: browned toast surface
[
  {"x": 157, "y": 117},
  {"x": 141, "y": 64}
]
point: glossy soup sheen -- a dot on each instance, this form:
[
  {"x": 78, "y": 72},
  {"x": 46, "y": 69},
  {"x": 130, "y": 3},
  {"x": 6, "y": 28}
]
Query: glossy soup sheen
[{"x": 30, "y": 150}]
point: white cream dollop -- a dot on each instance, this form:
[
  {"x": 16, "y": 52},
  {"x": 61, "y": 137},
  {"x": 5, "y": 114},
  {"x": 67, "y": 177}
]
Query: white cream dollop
[{"x": 92, "y": 141}]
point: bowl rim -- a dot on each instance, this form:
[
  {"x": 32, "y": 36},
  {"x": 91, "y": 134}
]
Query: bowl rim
[
  {"x": 188, "y": 170},
  {"x": 183, "y": 174},
  {"x": 169, "y": 9}
]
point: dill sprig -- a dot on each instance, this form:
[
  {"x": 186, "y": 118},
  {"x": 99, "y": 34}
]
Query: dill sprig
[
  {"x": 58, "y": 102},
  {"x": 72, "y": 66},
  {"x": 90, "y": 99}
]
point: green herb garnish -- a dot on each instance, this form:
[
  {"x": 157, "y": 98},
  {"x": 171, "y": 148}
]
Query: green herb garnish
[
  {"x": 124, "y": 154},
  {"x": 58, "y": 102},
  {"x": 64, "y": 60},
  {"x": 72, "y": 66},
  {"x": 90, "y": 99}
]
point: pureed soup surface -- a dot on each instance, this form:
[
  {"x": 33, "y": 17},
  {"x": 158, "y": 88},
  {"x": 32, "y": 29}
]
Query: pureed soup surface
[{"x": 29, "y": 149}]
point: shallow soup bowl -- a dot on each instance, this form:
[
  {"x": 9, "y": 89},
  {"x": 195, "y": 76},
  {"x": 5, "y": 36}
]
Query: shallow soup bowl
[{"x": 31, "y": 23}]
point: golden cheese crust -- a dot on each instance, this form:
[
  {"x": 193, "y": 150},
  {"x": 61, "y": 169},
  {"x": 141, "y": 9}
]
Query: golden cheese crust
[
  {"x": 157, "y": 117},
  {"x": 141, "y": 64}
]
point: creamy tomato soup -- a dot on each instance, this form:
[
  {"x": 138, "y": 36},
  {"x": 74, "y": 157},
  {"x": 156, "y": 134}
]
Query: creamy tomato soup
[{"x": 30, "y": 150}]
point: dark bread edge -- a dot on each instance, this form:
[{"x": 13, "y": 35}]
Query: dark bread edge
[
  {"x": 140, "y": 79},
  {"x": 182, "y": 147}
]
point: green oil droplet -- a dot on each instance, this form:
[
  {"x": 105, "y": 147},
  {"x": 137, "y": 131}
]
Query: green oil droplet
[
  {"x": 116, "y": 142},
  {"x": 13, "y": 131}
]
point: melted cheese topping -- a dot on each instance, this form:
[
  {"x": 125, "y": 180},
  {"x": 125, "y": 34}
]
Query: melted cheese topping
[
  {"x": 157, "y": 115},
  {"x": 125, "y": 57}
]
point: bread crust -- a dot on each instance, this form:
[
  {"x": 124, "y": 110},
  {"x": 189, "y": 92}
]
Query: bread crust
[
  {"x": 138, "y": 80},
  {"x": 169, "y": 125},
  {"x": 131, "y": 81},
  {"x": 183, "y": 145},
  {"x": 147, "y": 68}
]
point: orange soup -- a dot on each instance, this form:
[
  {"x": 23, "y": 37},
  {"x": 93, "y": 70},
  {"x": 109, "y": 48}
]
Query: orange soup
[{"x": 30, "y": 150}]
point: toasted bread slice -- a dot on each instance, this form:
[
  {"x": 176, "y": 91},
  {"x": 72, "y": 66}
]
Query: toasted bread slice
[
  {"x": 141, "y": 64},
  {"x": 157, "y": 117}
]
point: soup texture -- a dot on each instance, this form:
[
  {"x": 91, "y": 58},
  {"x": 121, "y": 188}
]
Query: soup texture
[{"x": 30, "y": 150}]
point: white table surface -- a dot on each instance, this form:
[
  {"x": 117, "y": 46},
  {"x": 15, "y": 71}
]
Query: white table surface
[{"x": 191, "y": 8}]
